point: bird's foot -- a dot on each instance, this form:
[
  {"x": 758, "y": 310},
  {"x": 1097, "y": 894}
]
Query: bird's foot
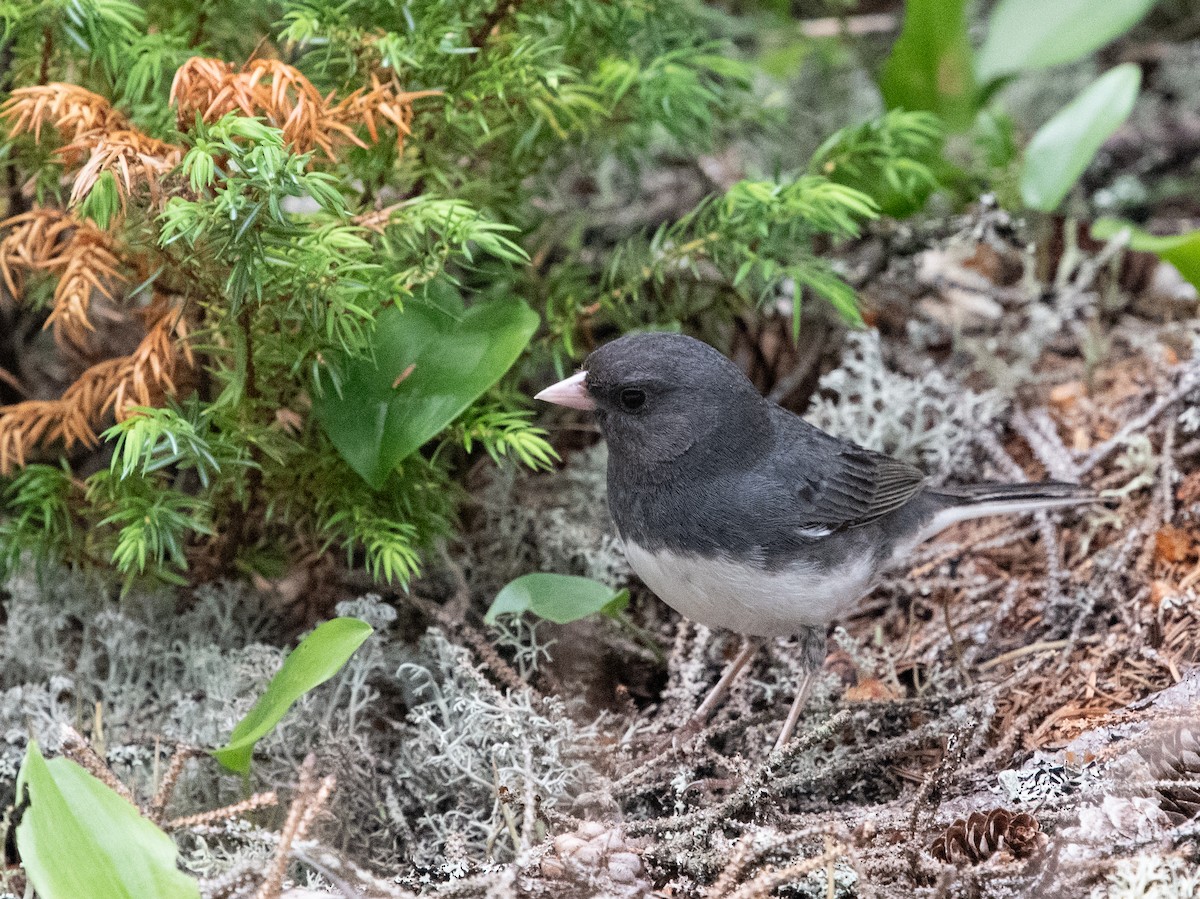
[{"x": 678, "y": 738}]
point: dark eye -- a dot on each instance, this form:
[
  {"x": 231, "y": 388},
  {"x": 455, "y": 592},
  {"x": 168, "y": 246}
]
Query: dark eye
[{"x": 632, "y": 399}]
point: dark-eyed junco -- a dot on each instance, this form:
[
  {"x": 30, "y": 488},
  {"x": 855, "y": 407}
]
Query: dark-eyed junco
[{"x": 740, "y": 514}]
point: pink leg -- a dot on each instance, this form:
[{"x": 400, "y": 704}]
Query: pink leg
[
  {"x": 802, "y": 694},
  {"x": 713, "y": 699}
]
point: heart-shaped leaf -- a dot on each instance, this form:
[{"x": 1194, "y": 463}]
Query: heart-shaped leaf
[
  {"x": 319, "y": 657},
  {"x": 80, "y": 838},
  {"x": 1181, "y": 250},
  {"x": 431, "y": 361},
  {"x": 561, "y": 598},
  {"x": 1034, "y": 34},
  {"x": 1062, "y": 149}
]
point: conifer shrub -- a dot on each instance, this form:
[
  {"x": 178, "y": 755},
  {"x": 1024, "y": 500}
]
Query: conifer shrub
[{"x": 272, "y": 271}]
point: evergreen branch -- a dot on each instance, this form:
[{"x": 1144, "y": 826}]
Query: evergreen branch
[
  {"x": 153, "y": 522},
  {"x": 754, "y": 237},
  {"x": 503, "y": 431},
  {"x": 250, "y": 185},
  {"x": 891, "y": 159},
  {"x": 39, "y": 505}
]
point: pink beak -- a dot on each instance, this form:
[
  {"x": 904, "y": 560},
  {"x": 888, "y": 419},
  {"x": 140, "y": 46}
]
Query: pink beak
[{"x": 568, "y": 392}]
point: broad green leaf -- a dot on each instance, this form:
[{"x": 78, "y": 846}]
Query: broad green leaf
[
  {"x": 319, "y": 657},
  {"x": 930, "y": 68},
  {"x": 430, "y": 362},
  {"x": 1063, "y": 148},
  {"x": 79, "y": 838},
  {"x": 1181, "y": 250},
  {"x": 1035, "y": 34},
  {"x": 561, "y": 598}
]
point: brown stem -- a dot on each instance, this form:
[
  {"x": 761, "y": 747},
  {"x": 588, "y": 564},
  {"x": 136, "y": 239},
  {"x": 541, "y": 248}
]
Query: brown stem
[
  {"x": 480, "y": 35},
  {"x": 243, "y": 532},
  {"x": 198, "y": 31},
  {"x": 246, "y": 323},
  {"x": 47, "y": 52},
  {"x": 254, "y": 473}
]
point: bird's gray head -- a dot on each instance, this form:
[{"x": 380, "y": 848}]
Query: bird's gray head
[{"x": 660, "y": 396}]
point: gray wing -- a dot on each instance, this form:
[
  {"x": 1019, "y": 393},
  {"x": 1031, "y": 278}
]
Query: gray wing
[{"x": 839, "y": 484}]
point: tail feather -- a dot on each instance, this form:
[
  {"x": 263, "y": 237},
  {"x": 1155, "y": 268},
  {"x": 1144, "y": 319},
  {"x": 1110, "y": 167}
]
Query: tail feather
[
  {"x": 980, "y": 500},
  {"x": 1039, "y": 491}
]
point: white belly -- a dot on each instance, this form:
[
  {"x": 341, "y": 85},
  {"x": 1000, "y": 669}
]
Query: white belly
[{"x": 721, "y": 593}]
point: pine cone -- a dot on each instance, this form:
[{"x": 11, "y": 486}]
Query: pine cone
[
  {"x": 985, "y": 833},
  {"x": 598, "y": 855},
  {"x": 1176, "y": 757}
]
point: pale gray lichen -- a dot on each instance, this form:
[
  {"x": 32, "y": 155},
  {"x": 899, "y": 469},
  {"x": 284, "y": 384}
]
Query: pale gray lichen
[
  {"x": 1189, "y": 418},
  {"x": 526, "y": 639},
  {"x": 182, "y": 676},
  {"x": 465, "y": 744},
  {"x": 557, "y": 523},
  {"x": 928, "y": 420},
  {"x": 167, "y": 675},
  {"x": 212, "y": 851},
  {"x": 841, "y": 883},
  {"x": 1151, "y": 876}
]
